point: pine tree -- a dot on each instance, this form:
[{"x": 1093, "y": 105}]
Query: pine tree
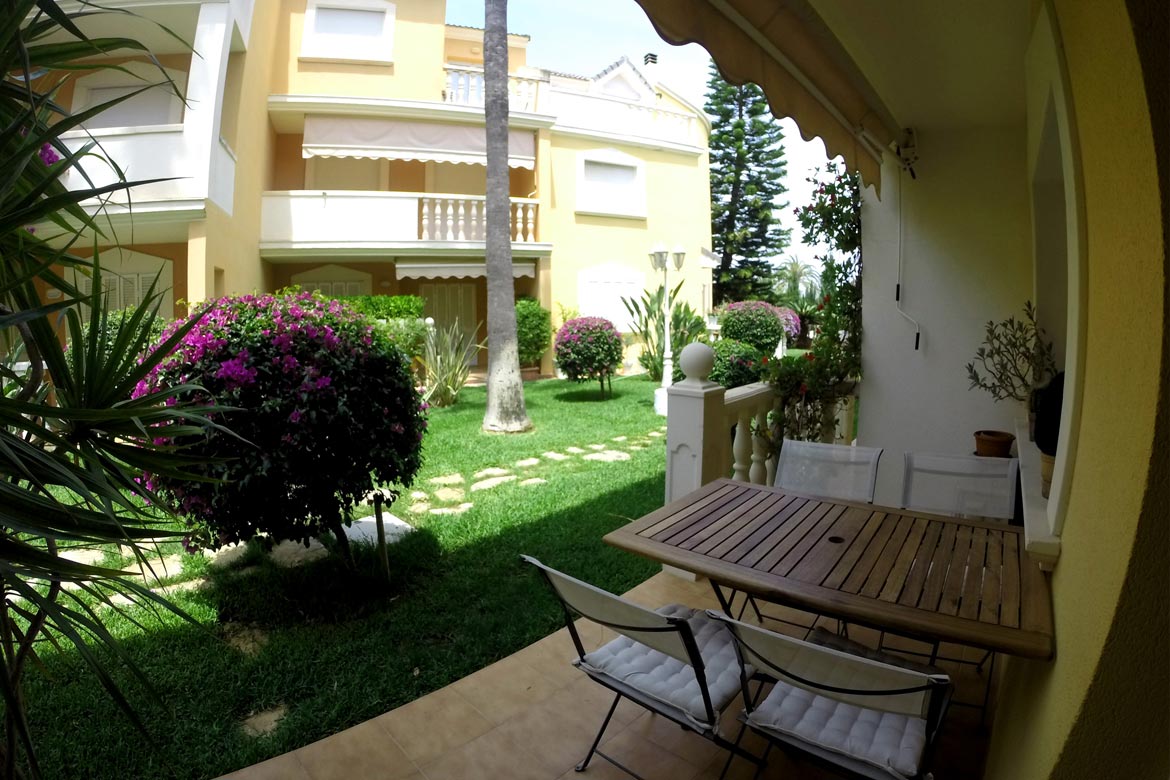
[{"x": 747, "y": 180}]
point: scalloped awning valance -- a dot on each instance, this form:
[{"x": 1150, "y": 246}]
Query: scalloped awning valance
[
  {"x": 805, "y": 72},
  {"x": 398, "y": 139}
]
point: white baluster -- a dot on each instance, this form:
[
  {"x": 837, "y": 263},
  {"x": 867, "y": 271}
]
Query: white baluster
[
  {"x": 448, "y": 221},
  {"x": 481, "y": 212},
  {"x": 515, "y": 222},
  {"x": 776, "y": 430},
  {"x": 460, "y": 220},
  {"x": 529, "y": 221},
  {"x": 427, "y": 206},
  {"x": 742, "y": 448},
  {"x": 759, "y": 472}
]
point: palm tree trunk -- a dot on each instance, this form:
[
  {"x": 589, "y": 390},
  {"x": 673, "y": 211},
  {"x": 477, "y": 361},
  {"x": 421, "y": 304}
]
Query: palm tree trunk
[{"x": 505, "y": 411}]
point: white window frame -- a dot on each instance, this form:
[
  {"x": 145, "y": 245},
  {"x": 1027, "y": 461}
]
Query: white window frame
[
  {"x": 603, "y": 204},
  {"x": 127, "y": 275},
  {"x": 132, "y": 74},
  {"x": 349, "y": 48}
]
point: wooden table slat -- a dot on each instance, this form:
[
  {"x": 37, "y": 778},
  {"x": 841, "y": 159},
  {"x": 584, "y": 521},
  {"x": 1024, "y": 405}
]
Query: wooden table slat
[
  {"x": 989, "y": 608},
  {"x": 796, "y": 525},
  {"x": 939, "y": 564},
  {"x": 826, "y": 554},
  {"x": 733, "y": 496},
  {"x": 694, "y": 533},
  {"x": 763, "y": 537},
  {"x": 920, "y": 567},
  {"x": 1009, "y": 603},
  {"x": 973, "y": 583},
  {"x": 847, "y": 562},
  {"x": 811, "y": 541},
  {"x": 930, "y": 577},
  {"x": 953, "y": 589},
  {"x": 861, "y": 570}
]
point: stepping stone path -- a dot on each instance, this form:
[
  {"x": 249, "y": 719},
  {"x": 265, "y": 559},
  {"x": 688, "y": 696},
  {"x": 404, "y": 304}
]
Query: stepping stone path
[
  {"x": 451, "y": 510},
  {"x": 83, "y": 556},
  {"x": 492, "y": 482},
  {"x": 450, "y": 493},
  {"x": 249, "y": 640},
  {"x": 654, "y": 433},
  {"x": 366, "y": 529},
  {"x": 534, "y": 481},
  {"x": 609, "y": 456},
  {"x": 264, "y": 723},
  {"x": 288, "y": 555},
  {"x": 490, "y": 472},
  {"x": 419, "y": 495},
  {"x": 449, "y": 479},
  {"x": 225, "y": 557},
  {"x": 181, "y": 587},
  {"x": 598, "y": 447},
  {"x": 554, "y": 456},
  {"x": 527, "y": 462},
  {"x": 419, "y": 507},
  {"x": 575, "y": 450},
  {"x": 620, "y": 438}
]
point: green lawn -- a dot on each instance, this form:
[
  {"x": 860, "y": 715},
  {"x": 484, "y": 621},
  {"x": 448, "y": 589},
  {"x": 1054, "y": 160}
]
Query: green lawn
[{"x": 337, "y": 647}]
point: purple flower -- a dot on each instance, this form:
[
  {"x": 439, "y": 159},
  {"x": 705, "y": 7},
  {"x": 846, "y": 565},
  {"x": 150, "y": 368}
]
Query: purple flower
[{"x": 48, "y": 156}]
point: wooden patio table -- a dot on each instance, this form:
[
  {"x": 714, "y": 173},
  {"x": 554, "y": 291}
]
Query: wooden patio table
[{"x": 925, "y": 576}]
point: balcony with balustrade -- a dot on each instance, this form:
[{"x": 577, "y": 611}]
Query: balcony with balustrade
[{"x": 356, "y": 223}]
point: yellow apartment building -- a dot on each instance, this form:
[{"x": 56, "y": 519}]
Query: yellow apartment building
[{"x": 340, "y": 146}]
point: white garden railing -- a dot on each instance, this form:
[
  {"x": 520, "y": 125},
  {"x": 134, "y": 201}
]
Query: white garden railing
[{"x": 701, "y": 414}]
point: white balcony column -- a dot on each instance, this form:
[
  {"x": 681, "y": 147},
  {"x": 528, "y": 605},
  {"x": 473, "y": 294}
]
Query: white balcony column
[
  {"x": 205, "y": 88},
  {"x": 696, "y": 426}
]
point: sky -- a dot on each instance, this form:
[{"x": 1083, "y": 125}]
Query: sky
[{"x": 583, "y": 37}]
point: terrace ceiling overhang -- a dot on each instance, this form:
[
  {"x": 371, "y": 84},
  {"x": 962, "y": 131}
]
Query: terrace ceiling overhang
[
  {"x": 401, "y": 139},
  {"x": 805, "y": 72}
]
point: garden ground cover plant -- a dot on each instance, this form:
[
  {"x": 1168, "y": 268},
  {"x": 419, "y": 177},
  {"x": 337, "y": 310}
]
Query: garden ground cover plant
[{"x": 336, "y": 647}]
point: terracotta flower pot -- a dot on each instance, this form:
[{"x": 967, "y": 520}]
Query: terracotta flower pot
[{"x": 993, "y": 444}]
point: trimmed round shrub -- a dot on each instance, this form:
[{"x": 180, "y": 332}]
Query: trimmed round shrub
[
  {"x": 588, "y": 348},
  {"x": 323, "y": 409},
  {"x": 758, "y": 323},
  {"x": 533, "y": 330},
  {"x": 736, "y": 363}
]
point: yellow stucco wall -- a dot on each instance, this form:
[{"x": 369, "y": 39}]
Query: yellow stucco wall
[
  {"x": 1063, "y": 718},
  {"x": 416, "y": 74},
  {"x": 581, "y": 241}
]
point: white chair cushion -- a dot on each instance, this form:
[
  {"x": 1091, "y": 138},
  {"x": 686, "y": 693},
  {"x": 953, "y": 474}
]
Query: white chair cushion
[
  {"x": 669, "y": 680},
  {"x": 891, "y": 742}
]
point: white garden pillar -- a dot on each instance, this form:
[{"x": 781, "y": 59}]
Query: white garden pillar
[{"x": 696, "y": 425}]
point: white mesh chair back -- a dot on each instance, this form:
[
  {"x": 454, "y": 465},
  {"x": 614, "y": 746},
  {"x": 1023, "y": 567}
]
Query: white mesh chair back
[
  {"x": 643, "y": 625},
  {"x": 960, "y": 485},
  {"x": 833, "y": 674},
  {"x": 829, "y": 470}
]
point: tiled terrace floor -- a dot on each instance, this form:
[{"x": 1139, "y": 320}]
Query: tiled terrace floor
[{"x": 531, "y": 716}]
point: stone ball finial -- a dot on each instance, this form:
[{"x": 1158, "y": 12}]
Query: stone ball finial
[{"x": 697, "y": 360}]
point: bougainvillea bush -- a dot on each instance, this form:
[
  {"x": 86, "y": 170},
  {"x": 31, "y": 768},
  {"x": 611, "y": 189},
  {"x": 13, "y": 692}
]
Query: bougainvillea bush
[
  {"x": 588, "y": 348},
  {"x": 758, "y": 323},
  {"x": 736, "y": 363},
  {"x": 326, "y": 409}
]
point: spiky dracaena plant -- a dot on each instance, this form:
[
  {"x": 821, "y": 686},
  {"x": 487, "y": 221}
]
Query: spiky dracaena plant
[{"x": 73, "y": 442}]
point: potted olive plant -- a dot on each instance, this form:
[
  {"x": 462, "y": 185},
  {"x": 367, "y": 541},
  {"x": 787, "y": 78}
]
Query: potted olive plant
[{"x": 1012, "y": 362}]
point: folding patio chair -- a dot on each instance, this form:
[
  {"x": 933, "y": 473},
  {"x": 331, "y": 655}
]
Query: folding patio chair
[
  {"x": 674, "y": 661},
  {"x": 867, "y": 718},
  {"x": 844, "y": 472},
  {"x": 831, "y": 470},
  {"x": 961, "y": 486}
]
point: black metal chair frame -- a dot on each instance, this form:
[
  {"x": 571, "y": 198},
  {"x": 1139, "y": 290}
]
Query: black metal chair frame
[
  {"x": 939, "y": 694},
  {"x": 695, "y": 659}
]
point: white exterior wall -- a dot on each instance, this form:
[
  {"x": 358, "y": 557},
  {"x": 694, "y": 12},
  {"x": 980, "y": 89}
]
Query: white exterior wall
[{"x": 957, "y": 274}]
